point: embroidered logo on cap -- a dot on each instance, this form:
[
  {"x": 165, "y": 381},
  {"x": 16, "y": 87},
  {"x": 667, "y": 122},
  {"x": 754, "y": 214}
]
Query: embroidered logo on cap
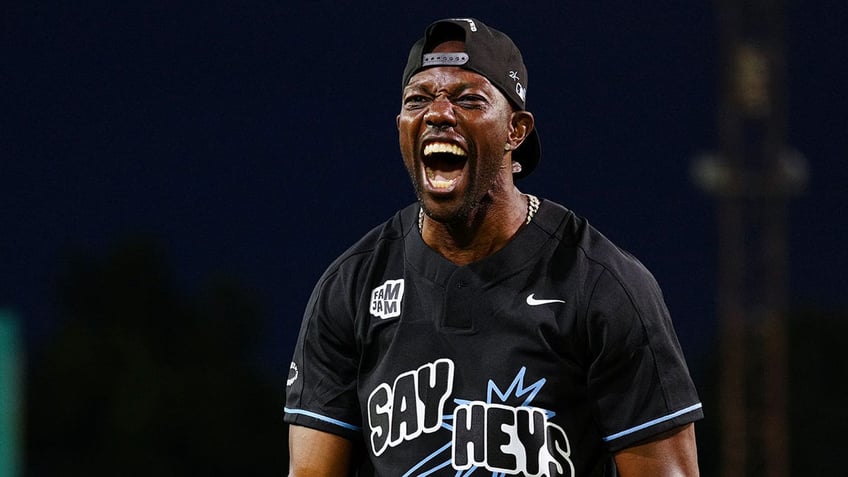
[{"x": 519, "y": 88}]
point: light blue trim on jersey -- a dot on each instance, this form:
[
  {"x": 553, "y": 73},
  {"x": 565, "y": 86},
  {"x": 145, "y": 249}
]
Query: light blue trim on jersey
[
  {"x": 656, "y": 421},
  {"x": 323, "y": 418}
]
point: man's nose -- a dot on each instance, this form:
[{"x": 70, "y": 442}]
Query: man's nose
[{"x": 440, "y": 113}]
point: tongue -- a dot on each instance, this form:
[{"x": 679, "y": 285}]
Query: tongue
[
  {"x": 440, "y": 176},
  {"x": 443, "y": 170},
  {"x": 441, "y": 182},
  {"x": 441, "y": 179}
]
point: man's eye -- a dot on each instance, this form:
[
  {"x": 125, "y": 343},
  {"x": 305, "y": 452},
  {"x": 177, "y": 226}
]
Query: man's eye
[
  {"x": 471, "y": 101},
  {"x": 415, "y": 100}
]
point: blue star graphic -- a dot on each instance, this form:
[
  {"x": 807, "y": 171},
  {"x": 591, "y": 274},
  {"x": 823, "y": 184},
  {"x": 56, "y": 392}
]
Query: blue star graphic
[{"x": 516, "y": 389}]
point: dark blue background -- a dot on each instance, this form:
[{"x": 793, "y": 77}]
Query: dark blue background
[{"x": 257, "y": 139}]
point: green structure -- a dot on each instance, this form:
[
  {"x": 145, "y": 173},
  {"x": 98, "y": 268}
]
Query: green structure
[{"x": 11, "y": 361}]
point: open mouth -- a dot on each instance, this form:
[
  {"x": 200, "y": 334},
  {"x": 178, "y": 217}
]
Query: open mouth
[{"x": 443, "y": 165}]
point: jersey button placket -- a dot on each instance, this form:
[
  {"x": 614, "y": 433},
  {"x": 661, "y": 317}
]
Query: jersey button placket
[{"x": 459, "y": 301}]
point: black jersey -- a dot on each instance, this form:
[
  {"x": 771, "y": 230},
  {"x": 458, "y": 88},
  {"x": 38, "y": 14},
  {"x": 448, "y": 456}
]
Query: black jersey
[{"x": 542, "y": 359}]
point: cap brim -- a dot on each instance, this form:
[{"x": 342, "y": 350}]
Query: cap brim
[{"x": 528, "y": 154}]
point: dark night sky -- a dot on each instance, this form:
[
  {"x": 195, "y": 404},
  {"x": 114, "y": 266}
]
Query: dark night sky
[{"x": 258, "y": 139}]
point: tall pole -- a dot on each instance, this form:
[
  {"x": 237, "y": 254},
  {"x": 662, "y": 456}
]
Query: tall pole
[
  {"x": 752, "y": 177},
  {"x": 11, "y": 402}
]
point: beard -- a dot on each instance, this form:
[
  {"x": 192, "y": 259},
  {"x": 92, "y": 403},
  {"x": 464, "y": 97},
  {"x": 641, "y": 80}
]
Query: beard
[{"x": 480, "y": 180}]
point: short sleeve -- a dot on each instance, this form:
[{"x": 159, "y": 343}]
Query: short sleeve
[
  {"x": 638, "y": 378},
  {"x": 321, "y": 388}
]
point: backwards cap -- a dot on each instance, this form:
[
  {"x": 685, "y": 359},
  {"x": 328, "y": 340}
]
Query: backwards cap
[{"x": 488, "y": 52}]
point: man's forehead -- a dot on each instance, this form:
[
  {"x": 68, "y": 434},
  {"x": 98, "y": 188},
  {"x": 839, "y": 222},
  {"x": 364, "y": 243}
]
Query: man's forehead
[{"x": 450, "y": 76}]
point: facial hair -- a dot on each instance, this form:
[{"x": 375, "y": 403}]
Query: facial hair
[{"x": 481, "y": 179}]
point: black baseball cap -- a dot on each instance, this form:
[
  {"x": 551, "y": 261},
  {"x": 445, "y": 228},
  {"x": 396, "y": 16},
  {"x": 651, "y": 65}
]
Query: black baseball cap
[{"x": 488, "y": 52}]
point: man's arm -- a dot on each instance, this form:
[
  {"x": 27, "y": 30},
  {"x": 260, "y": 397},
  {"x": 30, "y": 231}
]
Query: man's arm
[
  {"x": 672, "y": 454},
  {"x": 314, "y": 453}
]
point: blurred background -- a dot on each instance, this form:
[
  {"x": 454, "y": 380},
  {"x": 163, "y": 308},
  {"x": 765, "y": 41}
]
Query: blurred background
[{"x": 175, "y": 176}]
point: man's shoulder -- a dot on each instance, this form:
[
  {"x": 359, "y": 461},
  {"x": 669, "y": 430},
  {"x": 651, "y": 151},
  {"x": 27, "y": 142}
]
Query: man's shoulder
[
  {"x": 575, "y": 230},
  {"x": 387, "y": 234}
]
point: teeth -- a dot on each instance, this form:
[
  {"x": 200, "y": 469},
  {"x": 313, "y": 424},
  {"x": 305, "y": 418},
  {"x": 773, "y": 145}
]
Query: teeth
[{"x": 443, "y": 148}]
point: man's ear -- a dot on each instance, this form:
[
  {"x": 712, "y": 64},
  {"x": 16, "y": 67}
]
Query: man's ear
[{"x": 521, "y": 125}]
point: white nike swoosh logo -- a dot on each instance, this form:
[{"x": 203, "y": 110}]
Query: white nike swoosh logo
[{"x": 533, "y": 301}]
